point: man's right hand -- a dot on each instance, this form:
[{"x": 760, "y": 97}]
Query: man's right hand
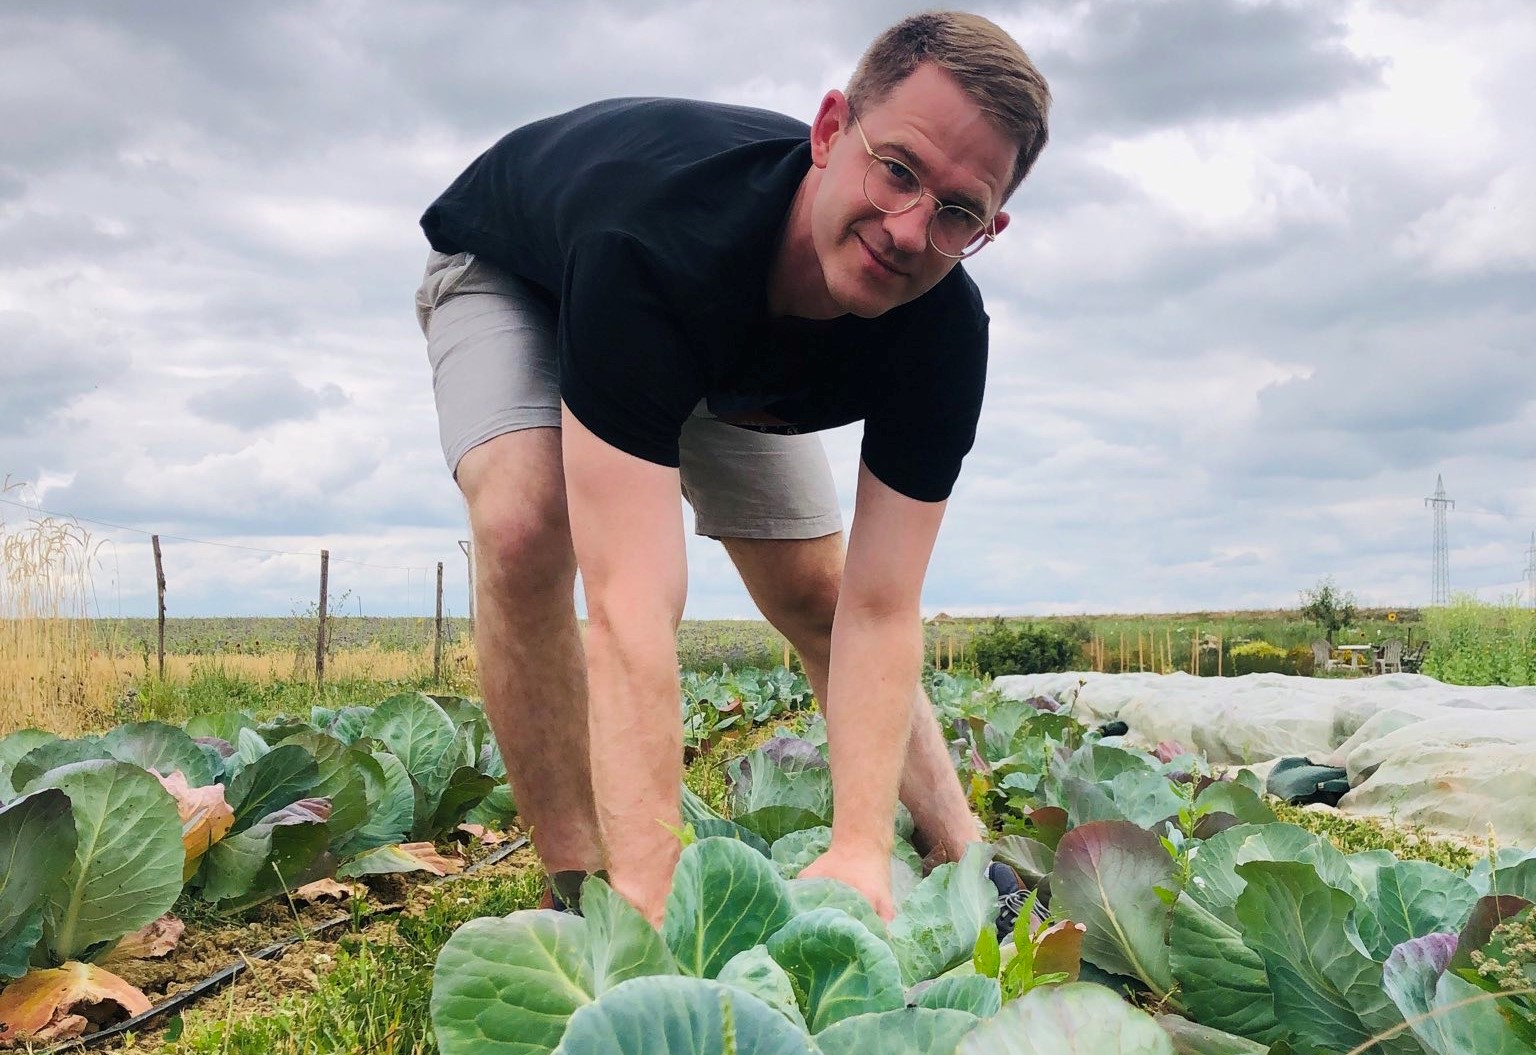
[
  {"x": 868, "y": 873},
  {"x": 646, "y": 894}
]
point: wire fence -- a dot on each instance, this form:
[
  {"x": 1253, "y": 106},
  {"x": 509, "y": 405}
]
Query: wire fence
[{"x": 120, "y": 577}]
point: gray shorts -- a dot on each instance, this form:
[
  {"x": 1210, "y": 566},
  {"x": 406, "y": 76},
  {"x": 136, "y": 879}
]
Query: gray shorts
[{"x": 491, "y": 343}]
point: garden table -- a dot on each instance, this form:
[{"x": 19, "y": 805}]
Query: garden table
[{"x": 1357, "y": 654}]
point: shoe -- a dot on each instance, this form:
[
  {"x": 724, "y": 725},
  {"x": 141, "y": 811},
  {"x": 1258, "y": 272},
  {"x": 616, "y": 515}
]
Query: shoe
[
  {"x": 1011, "y": 899},
  {"x": 562, "y": 891}
]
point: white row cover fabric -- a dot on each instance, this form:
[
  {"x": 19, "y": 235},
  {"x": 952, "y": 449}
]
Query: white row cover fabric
[{"x": 1453, "y": 759}]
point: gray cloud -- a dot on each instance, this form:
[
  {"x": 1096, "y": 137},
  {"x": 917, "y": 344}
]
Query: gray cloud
[
  {"x": 42, "y": 371},
  {"x": 1137, "y": 65},
  {"x": 260, "y": 400}
]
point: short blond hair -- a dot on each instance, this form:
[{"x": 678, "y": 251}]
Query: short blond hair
[{"x": 987, "y": 63}]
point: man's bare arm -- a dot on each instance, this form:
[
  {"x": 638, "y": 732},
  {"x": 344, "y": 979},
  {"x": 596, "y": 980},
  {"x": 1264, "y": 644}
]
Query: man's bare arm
[
  {"x": 626, "y": 523},
  {"x": 877, "y": 655}
]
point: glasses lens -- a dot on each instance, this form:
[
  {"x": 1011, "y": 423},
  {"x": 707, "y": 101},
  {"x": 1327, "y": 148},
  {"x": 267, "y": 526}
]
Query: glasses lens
[
  {"x": 891, "y": 186},
  {"x": 956, "y": 231}
]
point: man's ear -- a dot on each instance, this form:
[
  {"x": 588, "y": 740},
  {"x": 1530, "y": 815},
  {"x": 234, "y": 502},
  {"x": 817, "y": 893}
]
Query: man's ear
[{"x": 831, "y": 122}]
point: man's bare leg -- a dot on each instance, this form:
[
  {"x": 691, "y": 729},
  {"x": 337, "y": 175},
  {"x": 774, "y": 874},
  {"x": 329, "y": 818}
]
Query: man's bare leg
[
  {"x": 532, "y": 670},
  {"x": 795, "y": 583}
]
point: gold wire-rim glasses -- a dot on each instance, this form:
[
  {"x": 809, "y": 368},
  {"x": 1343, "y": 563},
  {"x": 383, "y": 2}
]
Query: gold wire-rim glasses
[{"x": 985, "y": 232}]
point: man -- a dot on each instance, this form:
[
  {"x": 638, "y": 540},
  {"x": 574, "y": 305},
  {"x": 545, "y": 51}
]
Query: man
[{"x": 646, "y": 296}]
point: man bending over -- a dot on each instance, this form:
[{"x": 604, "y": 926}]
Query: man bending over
[{"x": 647, "y": 297}]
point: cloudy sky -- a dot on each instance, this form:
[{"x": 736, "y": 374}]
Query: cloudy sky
[{"x": 1275, "y": 272}]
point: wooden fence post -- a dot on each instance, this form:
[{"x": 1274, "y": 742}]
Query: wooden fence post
[
  {"x": 154, "y": 541},
  {"x": 325, "y": 575},
  {"x": 437, "y": 640}
]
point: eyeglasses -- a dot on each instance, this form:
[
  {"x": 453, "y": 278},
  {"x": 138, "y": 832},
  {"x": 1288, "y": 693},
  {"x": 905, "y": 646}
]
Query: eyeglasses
[{"x": 892, "y": 187}]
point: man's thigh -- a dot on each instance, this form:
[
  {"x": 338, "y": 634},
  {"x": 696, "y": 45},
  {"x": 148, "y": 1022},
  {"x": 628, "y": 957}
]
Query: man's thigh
[
  {"x": 491, "y": 345},
  {"x": 754, "y": 485}
]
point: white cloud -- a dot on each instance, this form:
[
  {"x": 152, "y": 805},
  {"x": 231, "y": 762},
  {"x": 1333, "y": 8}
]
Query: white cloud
[
  {"x": 1488, "y": 231},
  {"x": 1220, "y": 182}
]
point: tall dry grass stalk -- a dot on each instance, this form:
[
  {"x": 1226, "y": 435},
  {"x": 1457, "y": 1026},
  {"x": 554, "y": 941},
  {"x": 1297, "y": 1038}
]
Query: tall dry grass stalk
[{"x": 49, "y": 674}]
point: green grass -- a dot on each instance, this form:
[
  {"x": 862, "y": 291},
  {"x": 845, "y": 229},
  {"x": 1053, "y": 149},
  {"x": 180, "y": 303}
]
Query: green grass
[
  {"x": 376, "y": 998},
  {"x": 212, "y": 689},
  {"x": 1481, "y": 644}
]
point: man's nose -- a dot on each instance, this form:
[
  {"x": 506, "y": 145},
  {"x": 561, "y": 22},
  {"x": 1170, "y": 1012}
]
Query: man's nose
[{"x": 909, "y": 230}]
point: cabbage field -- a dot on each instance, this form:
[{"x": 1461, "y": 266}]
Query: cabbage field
[
  {"x": 1169, "y": 910},
  {"x": 1181, "y": 916}
]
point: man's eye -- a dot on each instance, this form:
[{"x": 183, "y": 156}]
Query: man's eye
[
  {"x": 960, "y": 221},
  {"x": 900, "y": 175}
]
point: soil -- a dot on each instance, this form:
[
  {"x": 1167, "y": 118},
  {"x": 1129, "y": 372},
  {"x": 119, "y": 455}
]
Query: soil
[{"x": 211, "y": 947}]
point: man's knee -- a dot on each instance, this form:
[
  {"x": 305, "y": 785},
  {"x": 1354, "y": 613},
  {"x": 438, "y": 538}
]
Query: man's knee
[
  {"x": 517, "y": 514},
  {"x": 522, "y": 547},
  {"x": 795, "y": 582}
]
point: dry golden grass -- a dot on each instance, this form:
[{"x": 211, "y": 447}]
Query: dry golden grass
[{"x": 49, "y": 672}]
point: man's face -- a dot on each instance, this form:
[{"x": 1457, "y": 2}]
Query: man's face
[{"x": 874, "y": 261}]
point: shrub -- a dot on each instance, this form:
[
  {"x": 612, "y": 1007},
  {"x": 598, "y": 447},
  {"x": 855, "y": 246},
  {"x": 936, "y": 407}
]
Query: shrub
[
  {"x": 1257, "y": 649},
  {"x": 1329, "y": 608},
  {"x": 1032, "y": 648}
]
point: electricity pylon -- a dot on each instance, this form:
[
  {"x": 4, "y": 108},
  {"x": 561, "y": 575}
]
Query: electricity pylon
[
  {"x": 1440, "y": 591},
  {"x": 1530, "y": 571}
]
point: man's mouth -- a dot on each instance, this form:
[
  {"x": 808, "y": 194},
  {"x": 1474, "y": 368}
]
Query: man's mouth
[{"x": 880, "y": 260}]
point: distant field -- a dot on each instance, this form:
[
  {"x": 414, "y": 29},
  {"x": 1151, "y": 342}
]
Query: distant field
[
  {"x": 260, "y": 636},
  {"x": 707, "y": 643}
]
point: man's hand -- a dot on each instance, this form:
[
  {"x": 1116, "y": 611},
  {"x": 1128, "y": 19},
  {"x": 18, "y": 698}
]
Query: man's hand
[
  {"x": 868, "y": 873},
  {"x": 647, "y": 894}
]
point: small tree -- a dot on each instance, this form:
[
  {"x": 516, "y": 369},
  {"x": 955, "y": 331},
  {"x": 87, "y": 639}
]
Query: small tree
[{"x": 1330, "y": 609}]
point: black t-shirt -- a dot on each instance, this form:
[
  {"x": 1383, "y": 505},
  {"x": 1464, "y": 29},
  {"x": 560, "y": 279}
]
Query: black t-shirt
[{"x": 653, "y": 224}]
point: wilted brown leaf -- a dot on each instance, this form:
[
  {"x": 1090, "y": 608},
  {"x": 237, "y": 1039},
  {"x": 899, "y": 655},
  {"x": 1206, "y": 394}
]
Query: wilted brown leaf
[
  {"x": 205, "y": 817},
  {"x": 45, "y": 1007}
]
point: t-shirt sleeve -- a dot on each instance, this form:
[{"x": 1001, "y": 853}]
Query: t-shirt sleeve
[
  {"x": 918, "y": 434},
  {"x": 626, "y": 371}
]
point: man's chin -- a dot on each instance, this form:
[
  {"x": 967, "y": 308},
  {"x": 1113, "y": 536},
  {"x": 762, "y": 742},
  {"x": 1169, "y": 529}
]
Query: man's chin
[{"x": 857, "y": 298}]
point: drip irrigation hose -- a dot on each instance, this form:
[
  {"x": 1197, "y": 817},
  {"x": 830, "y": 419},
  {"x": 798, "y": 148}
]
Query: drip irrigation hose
[{"x": 219, "y": 979}]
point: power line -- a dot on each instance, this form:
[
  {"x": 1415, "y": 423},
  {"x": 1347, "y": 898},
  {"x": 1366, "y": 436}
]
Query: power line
[{"x": 206, "y": 542}]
